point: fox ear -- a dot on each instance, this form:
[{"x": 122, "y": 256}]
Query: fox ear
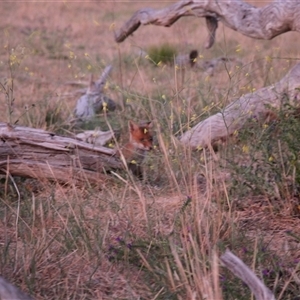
[{"x": 132, "y": 126}]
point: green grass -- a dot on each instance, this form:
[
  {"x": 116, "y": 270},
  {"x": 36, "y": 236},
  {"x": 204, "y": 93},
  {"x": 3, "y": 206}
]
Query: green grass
[
  {"x": 271, "y": 161},
  {"x": 164, "y": 53}
]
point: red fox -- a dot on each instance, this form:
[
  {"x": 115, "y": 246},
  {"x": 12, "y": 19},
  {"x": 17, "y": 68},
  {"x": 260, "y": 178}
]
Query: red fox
[{"x": 140, "y": 141}]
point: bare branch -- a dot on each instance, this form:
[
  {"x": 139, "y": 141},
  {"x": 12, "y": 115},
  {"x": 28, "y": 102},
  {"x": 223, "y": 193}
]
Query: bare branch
[
  {"x": 239, "y": 269},
  {"x": 9, "y": 292},
  {"x": 212, "y": 25},
  {"x": 94, "y": 101},
  {"x": 100, "y": 83},
  {"x": 234, "y": 116},
  {"x": 261, "y": 23}
]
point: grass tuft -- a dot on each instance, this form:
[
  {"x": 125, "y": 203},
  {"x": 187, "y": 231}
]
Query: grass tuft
[{"x": 164, "y": 53}]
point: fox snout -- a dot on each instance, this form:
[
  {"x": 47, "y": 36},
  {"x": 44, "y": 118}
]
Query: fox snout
[
  {"x": 147, "y": 141},
  {"x": 143, "y": 145}
]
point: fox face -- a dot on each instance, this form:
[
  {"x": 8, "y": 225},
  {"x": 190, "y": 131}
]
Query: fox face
[
  {"x": 140, "y": 141},
  {"x": 141, "y": 136}
]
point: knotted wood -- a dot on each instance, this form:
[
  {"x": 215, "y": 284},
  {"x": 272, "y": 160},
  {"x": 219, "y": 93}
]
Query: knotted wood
[
  {"x": 37, "y": 153},
  {"x": 260, "y": 23}
]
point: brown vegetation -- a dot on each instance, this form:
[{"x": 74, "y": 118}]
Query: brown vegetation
[{"x": 160, "y": 238}]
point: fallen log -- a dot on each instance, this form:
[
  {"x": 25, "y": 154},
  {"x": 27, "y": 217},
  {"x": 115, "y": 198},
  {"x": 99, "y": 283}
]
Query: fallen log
[
  {"x": 253, "y": 105},
  {"x": 260, "y": 23},
  {"x": 36, "y": 153}
]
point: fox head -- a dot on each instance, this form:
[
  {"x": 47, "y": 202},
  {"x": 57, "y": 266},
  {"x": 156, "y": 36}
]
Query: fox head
[{"x": 141, "y": 135}]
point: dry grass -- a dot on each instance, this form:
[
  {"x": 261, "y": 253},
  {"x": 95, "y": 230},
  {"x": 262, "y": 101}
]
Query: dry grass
[{"x": 127, "y": 239}]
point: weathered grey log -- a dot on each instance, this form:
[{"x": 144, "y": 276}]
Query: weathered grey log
[
  {"x": 234, "y": 116},
  {"x": 10, "y": 292},
  {"x": 261, "y": 23},
  {"x": 41, "y": 154},
  {"x": 239, "y": 269},
  {"x": 94, "y": 100}
]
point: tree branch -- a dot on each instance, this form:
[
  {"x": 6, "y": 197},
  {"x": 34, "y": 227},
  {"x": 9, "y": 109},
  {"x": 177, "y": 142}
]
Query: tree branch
[
  {"x": 9, "y": 291},
  {"x": 234, "y": 116},
  {"x": 94, "y": 101},
  {"x": 240, "y": 270},
  {"x": 260, "y": 23}
]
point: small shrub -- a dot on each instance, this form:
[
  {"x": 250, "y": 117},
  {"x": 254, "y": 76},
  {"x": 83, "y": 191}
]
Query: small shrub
[
  {"x": 266, "y": 160},
  {"x": 164, "y": 53}
]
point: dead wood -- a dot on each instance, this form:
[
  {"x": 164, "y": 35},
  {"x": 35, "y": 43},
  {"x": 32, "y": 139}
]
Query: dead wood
[
  {"x": 36, "y": 153},
  {"x": 10, "y": 292},
  {"x": 234, "y": 116},
  {"x": 94, "y": 100},
  {"x": 239, "y": 269},
  {"x": 96, "y": 137},
  {"x": 260, "y": 23}
]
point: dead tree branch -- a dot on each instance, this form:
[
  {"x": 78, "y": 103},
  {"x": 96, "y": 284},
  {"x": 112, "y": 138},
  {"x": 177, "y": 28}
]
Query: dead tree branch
[
  {"x": 9, "y": 292},
  {"x": 260, "y": 23},
  {"x": 234, "y": 116},
  {"x": 94, "y": 101},
  {"x": 239, "y": 269},
  {"x": 36, "y": 153}
]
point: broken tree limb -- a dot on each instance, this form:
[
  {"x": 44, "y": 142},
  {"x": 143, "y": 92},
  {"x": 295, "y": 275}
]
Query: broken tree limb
[
  {"x": 37, "y": 153},
  {"x": 260, "y": 23},
  {"x": 234, "y": 116},
  {"x": 10, "y": 292},
  {"x": 240, "y": 270},
  {"x": 94, "y": 100},
  {"x": 166, "y": 17}
]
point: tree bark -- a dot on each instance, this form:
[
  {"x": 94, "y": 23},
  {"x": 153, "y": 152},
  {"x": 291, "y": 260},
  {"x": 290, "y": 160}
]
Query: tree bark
[
  {"x": 233, "y": 117},
  {"x": 240, "y": 270},
  {"x": 36, "y": 153},
  {"x": 260, "y": 23}
]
